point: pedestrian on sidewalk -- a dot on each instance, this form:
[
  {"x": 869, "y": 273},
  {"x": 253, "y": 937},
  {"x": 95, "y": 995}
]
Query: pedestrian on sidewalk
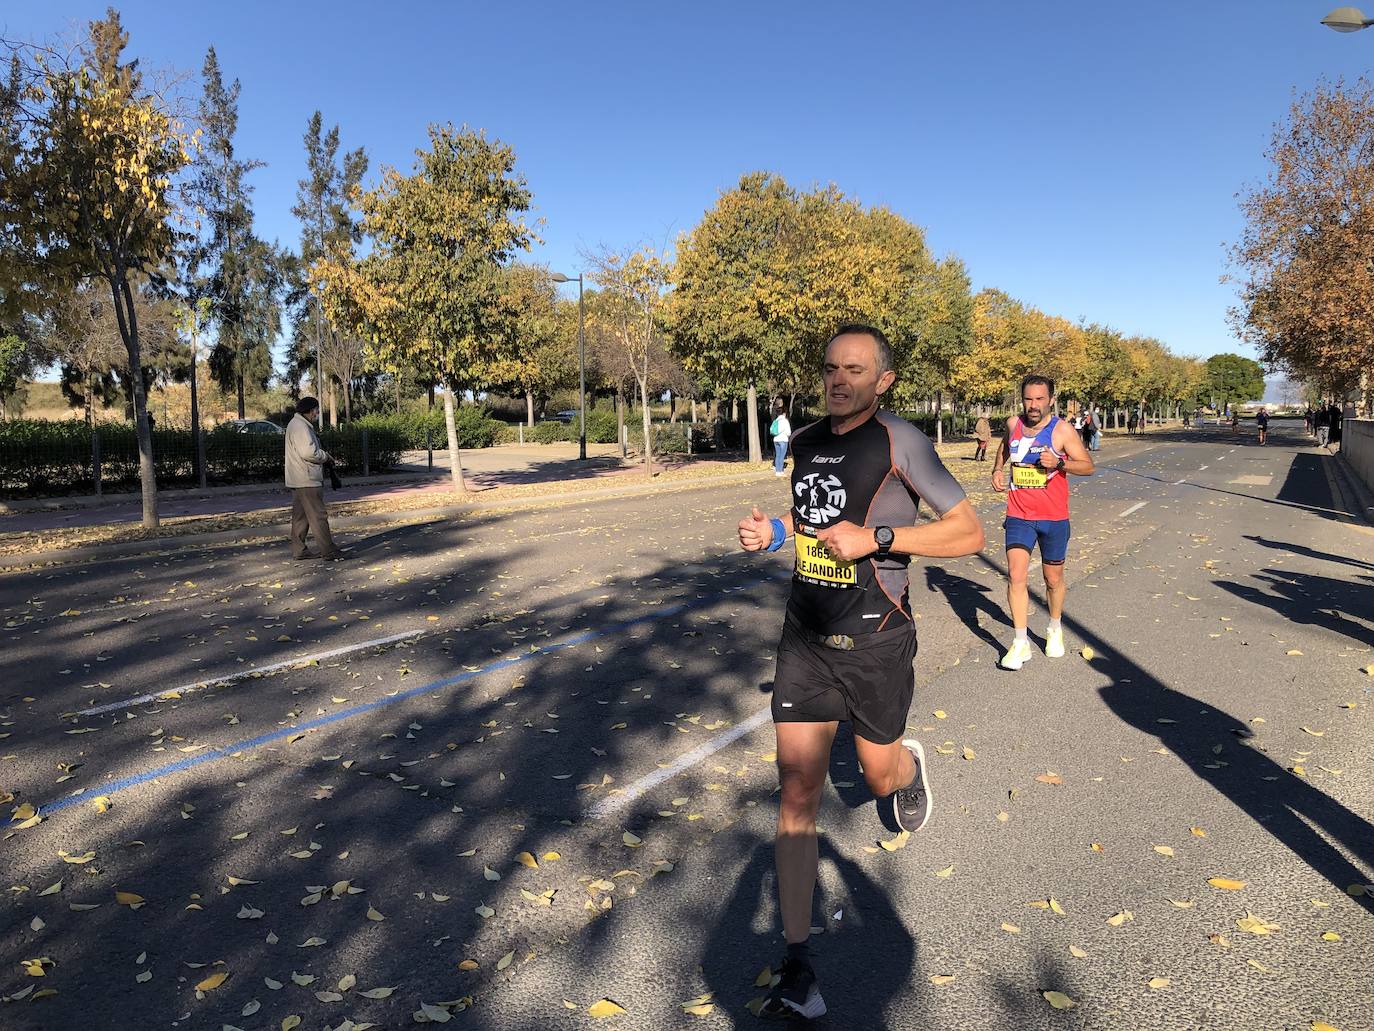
[
  {"x": 982, "y": 431},
  {"x": 849, "y": 637},
  {"x": 1262, "y": 423},
  {"x": 1321, "y": 424},
  {"x": 782, "y": 433},
  {"x": 1132, "y": 421},
  {"x": 1334, "y": 420},
  {"x": 305, "y": 464}
]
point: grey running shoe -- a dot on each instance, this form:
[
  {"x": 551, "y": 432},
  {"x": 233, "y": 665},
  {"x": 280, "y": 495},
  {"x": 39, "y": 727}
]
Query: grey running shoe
[
  {"x": 911, "y": 804},
  {"x": 795, "y": 995}
]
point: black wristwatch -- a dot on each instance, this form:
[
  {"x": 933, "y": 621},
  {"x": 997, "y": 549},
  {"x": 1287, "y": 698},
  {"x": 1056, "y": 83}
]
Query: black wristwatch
[
  {"x": 1060, "y": 466},
  {"x": 884, "y": 537}
]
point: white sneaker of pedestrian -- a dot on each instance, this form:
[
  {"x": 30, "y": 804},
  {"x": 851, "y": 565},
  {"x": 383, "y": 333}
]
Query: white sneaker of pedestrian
[
  {"x": 1018, "y": 654},
  {"x": 1054, "y": 643}
]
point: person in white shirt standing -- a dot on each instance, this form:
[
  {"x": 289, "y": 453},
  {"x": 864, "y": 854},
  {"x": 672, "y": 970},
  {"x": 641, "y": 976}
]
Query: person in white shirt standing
[
  {"x": 782, "y": 434},
  {"x": 305, "y": 462}
]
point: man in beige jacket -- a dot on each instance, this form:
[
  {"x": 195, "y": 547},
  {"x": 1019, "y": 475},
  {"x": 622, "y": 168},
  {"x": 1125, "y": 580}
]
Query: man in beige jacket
[{"x": 305, "y": 462}]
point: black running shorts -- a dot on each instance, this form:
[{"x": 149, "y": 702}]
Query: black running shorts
[{"x": 870, "y": 686}]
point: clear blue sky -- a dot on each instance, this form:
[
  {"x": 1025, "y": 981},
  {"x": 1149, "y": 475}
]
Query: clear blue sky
[{"x": 1082, "y": 157}]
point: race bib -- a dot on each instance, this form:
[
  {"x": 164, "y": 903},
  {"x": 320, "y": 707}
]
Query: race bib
[
  {"x": 815, "y": 565},
  {"x": 1028, "y": 475}
]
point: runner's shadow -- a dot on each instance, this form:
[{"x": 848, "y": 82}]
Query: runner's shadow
[
  {"x": 967, "y": 598},
  {"x": 863, "y": 960}
]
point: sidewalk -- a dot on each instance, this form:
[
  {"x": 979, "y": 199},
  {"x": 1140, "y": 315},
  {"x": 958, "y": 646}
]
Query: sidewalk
[{"x": 483, "y": 469}]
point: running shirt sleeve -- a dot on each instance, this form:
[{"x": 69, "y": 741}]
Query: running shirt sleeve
[{"x": 920, "y": 468}]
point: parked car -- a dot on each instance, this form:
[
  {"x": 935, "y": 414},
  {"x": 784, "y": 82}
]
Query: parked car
[
  {"x": 567, "y": 417},
  {"x": 253, "y": 426}
]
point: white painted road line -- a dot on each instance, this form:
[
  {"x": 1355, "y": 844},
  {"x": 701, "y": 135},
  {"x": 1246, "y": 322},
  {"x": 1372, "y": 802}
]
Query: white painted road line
[
  {"x": 200, "y": 685},
  {"x": 611, "y": 803},
  {"x": 1134, "y": 508}
]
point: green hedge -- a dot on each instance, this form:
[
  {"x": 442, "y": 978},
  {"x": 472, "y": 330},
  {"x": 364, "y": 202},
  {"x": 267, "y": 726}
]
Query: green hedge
[{"x": 42, "y": 458}]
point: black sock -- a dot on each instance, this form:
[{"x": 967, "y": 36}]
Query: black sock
[{"x": 800, "y": 952}]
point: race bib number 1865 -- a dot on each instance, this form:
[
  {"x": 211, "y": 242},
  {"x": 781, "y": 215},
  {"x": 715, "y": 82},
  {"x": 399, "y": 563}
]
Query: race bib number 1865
[{"x": 814, "y": 564}]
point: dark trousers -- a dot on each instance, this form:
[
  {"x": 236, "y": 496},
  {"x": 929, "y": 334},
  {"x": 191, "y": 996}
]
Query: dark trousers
[
  {"x": 308, "y": 515},
  {"x": 982, "y": 452}
]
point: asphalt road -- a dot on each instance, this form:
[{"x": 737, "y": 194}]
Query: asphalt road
[{"x": 318, "y": 780}]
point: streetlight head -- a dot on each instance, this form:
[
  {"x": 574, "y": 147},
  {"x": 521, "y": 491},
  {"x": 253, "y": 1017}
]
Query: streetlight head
[
  {"x": 1346, "y": 19},
  {"x": 558, "y": 277}
]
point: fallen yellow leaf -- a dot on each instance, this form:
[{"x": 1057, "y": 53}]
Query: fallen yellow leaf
[
  {"x": 941, "y": 978},
  {"x": 1225, "y": 883},
  {"x": 605, "y": 1008},
  {"x": 1058, "y": 1000},
  {"x": 1158, "y": 982}
]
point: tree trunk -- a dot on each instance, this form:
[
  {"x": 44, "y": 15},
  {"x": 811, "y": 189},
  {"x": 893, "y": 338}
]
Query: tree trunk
[
  {"x": 752, "y": 401},
  {"x": 348, "y": 399},
  {"x": 127, "y": 319},
  {"x": 648, "y": 441},
  {"x": 455, "y": 460},
  {"x": 672, "y": 407},
  {"x": 529, "y": 408},
  {"x": 734, "y": 409},
  {"x": 620, "y": 418},
  {"x": 196, "y": 438},
  {"x": 240, "y": 389},
  {"x": 694, "y": 411},
  {"x": 939, "y": 417},
  {"x": 333, "y": 406}
]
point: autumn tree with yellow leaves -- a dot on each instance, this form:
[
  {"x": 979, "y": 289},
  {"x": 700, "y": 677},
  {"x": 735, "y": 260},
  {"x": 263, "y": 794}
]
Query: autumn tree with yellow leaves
[
  {"x": 92, "y": 179},
  {"x": 1306, "y": 255},
  {"x": 427, "y": 296}
]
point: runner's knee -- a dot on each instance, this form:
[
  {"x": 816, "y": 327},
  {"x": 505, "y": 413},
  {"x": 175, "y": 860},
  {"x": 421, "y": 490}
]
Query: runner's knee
[{"x": 801, "y": 785}]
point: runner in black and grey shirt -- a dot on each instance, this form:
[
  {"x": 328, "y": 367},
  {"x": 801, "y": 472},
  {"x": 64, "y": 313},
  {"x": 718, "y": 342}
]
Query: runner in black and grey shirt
[{"x": 848, "y": 641}]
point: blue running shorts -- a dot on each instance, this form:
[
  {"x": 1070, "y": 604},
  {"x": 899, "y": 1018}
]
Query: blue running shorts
[{"x": 1051, "y": 534}]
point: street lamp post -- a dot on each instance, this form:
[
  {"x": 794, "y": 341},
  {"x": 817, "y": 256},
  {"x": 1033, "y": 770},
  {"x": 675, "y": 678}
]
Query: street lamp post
[
  {"x": 558, "y": 277},
  {"x": 1347, "y": 19}
]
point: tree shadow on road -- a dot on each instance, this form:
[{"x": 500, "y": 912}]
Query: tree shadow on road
[
  {"x": 863, "y": 960},
  {"x": 1299, "y": 815},
  {"x": 1311, "y": 600},
  {"x": 1300, "y": 549}
]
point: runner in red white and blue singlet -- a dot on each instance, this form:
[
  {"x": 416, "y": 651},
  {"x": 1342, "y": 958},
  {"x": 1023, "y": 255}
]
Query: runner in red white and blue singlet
[{"x": 1034, "y": 492}]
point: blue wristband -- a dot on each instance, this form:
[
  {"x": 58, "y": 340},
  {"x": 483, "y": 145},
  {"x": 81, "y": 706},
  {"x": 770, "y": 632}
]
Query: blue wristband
[{"x": 779, "y": 535}]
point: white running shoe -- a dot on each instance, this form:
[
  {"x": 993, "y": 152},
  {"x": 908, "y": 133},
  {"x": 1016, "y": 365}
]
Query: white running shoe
[
  {"x": 1054, "y": 643},
  {"x": 1017, "y": 654}
]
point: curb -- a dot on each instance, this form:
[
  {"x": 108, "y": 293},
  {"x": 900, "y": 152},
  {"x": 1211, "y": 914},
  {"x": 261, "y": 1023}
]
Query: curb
[
  {"x": 251, "y": 535},
  {"x": 1360, "y": 500},
  {"x": 88, "y": 501}
]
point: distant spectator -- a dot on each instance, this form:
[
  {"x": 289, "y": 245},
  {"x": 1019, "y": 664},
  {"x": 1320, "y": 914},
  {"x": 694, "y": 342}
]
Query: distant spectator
[
  {"x": 1262, "y": 424},
  {"x": 1132, "y": 422},
  {"x": 1321, "y": 424},
  {"x": 305, "y": 462},
  {"x": 982, "y": 432},
  {"x": 1334, "y": 419},
  {"x": 1307, "y": 420},
  {"x": 781, "y": 429}
]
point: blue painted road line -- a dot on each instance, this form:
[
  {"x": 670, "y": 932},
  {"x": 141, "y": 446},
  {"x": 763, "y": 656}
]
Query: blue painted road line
[{"x": 215, "y": 754}]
